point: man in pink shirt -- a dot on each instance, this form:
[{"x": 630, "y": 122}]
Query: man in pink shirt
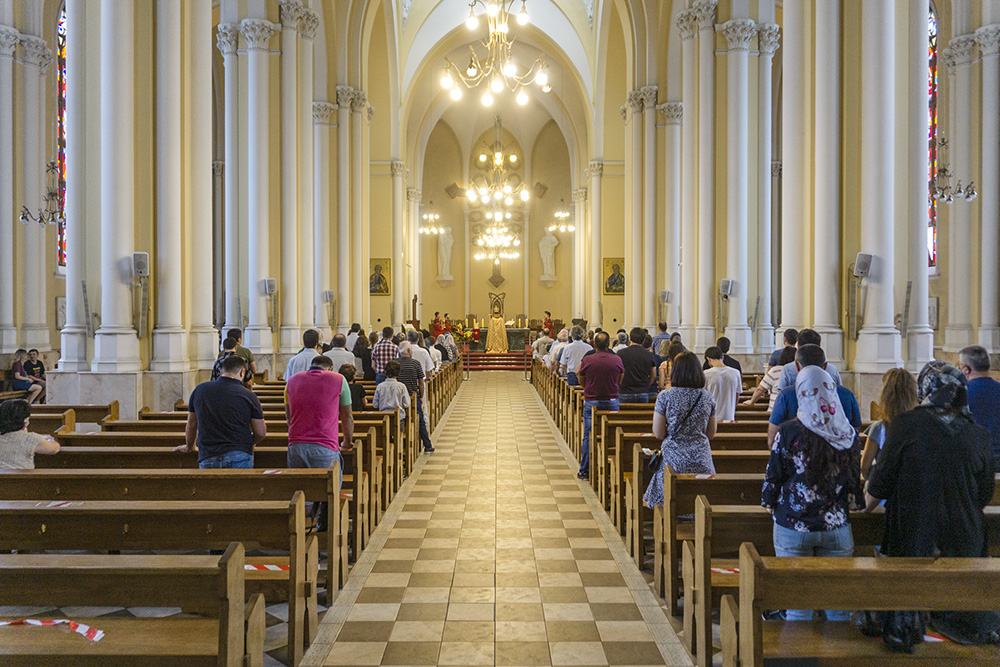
[{"x": 318, "y": 410}]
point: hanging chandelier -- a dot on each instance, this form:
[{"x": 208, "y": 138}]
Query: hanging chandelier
[
  {"x": 560, "y": 225},
  {"x": 500, "y": 185},
  {"x": 430, "y": 220},
  {"x": 498, "y": 242},
  {"x": 941, "y": 188},
  {"x": 53, "y": 213},
  {"x": 498, "y": 69}
]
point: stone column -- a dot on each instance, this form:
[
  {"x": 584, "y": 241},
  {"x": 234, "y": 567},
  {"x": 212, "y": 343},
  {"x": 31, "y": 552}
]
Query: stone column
[
  {"x": 359, "y": 254},
  {"x": 595, "y": 171},
  {"x": 416, "y": 287},
  {"x": 34, "y": 328},
  {"x": 794, "y": 121},
  {"x": 672, "y": 112},
  {"x": 879, "y": 345},
  {"x": 632, "y": 111},
  {"x": 398, "y": 176},
  {"x": 579, "y": 251},
  {"x": 989, "y": 319},
  {"x": 687, "y": 24},
  {"x": 649, "y": 295},
  {"x": 705, "y": 332},
  {"x": 169, "y": 335},
  {"x": 312, "y": 312},
  {"x": 290, "y": 335},
  {"x": 321, "y": 112},
  {"x": 227, "y": 39},
  {"x": 738, "y": 33},
  {"x": 219, "y": 241},
  {"x": 116, "y": 347},
  {"x": 9, "y": 38},
  {"x": 257, "y": 32},
  {"x": 345, "y": 97},
  {"x": 767, "y": 44}
]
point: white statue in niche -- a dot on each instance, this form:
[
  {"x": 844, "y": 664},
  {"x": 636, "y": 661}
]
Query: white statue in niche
[
  {"x": 445, "y": 241},
  {"x": 547, "y": 249}
]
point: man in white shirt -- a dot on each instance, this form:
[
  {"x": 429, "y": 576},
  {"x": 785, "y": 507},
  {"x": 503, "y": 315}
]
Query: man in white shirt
[
  {"x": 303, "y": 359},
  {"x": 541, "y": 345},
  {"x": 419, "y": 353},
  {"x": 723, "y": 383},
  {"x": 621, "y": 342},
  {"x": 352, "y": 338},
  {"x": 435, "y": 354},
  {"x": 552, "y": 358},
  {"x": 338, "y": 353},
  {"x": 573, "y": 354}
]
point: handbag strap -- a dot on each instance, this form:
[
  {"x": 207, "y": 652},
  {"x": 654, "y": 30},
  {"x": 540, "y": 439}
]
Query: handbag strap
[{"x": 684, "y": 421}]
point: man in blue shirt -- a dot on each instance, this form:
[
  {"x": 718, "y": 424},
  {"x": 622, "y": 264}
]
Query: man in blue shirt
[
  {"x": 660, "y": 337},
  {"x": 984, "y": 391},
  {"x": 787, "y": 404},
  {"x": 789, "y": 371}
]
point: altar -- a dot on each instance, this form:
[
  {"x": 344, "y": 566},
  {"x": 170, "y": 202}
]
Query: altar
[{"x": 516, "y": 339}]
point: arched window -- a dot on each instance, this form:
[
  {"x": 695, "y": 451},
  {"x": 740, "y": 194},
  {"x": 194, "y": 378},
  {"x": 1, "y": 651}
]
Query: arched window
[
  {"x": 61, "y": 133},
  {"x": 932, "y": 101}
]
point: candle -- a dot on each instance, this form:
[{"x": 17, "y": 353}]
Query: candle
[{"x": 466, "y": 322}]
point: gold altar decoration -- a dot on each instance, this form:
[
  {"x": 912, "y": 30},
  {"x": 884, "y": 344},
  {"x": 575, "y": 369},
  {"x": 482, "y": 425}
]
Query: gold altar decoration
[{"x": 496, "y": 337}]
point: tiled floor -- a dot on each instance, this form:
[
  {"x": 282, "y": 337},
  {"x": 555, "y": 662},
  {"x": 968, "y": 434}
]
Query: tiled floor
[{"x": 494, "y": 554}]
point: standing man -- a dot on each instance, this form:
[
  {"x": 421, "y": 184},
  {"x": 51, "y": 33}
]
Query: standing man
[
  {"x": 224, "y": 419},
  {"x": 724, "y": 383},
  {"x": 411, "y": 374},
  {"x": 383, "y": 352},
  {"x": 660, "y": 336},
  {"x": 791, "y": 339},
  {"x": 311, "y": 349},
  {"x": 984, "y": 391},
  {"x": 318, "y": 410},
  {"x": 572, "y": 354},
  {"x": 352, "y": 338},
  {"x": 242, "y": 351},
  {"x": 639, "y": 369},
  {"x": 420, "y": 354},
  {"x": 339, "y": 354},
  {"x": 600, "y": 374},
  {"x": 547, "y": 322},
  {"x": 541, "y": 346}
]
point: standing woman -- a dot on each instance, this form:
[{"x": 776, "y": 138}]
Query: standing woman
[
  {"x": 813, "y": 479},
  {"x": 899, "y": 395},
  {"x": 666, "y": 366},
  {"x": 684, "y": 417},
  {"x": 363, "y": 351}
]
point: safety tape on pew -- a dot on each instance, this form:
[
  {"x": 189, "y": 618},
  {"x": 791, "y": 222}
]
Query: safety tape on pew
[
  {"x": 726, "y": 570},
  {"x": 273, "y": 568},
  {"x": 93, "y": 634}
]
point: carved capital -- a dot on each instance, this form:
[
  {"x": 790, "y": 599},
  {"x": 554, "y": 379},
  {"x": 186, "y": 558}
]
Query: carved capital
[
  {"x": 218, "y": 168},
  {"x": 257, "y": 33},
  {"x": 369, "y": 113},
  {"x": 580, "y": 195},
  {"x": 413, "y": 194},
  {"x": 596, "y": 168},
  {"x": 9, "y": 39},
  {"x": 35, "y": 52},
  {"x": 308, "y": 23},
  {"x": 988, "y": 38},
  {"x": 687, "y": 23},
  {"x": 359, "y": 101},
  {"x": 959, "y": 51},
  {"x": 705, "y": 11},
  {"x": 649, "y": 94},
  {"x": 635, "y": 101},
  {"x": 738, "y": 33},
  {"x": 776, "y": 169},
  {"x": 397, "y": 168},
  {"x": 673, "y": 112},
  {"x": 322, "y": 111},
  {"x": 345, "y": 96},
  {"x": 291, "y": 12},
  {"x": 228, "y": 38},
  {"x": 768, "y": 37}
]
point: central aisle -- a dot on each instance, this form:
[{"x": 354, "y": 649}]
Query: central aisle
[{"x": 495, "y": 554}]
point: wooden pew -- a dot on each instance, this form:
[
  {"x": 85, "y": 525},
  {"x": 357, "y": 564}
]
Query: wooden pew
[
  {"x": 48, "y": 424},
  {"x": 6, "y": 393},
  {"x": 922, "y": 584},
  {"x": 210, "y": 586},
  {"x": 85, "y": 414},
  {"x": 168, "y": 525}
]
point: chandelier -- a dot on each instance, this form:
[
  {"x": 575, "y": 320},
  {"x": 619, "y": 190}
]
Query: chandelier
[
  {"x": 499, "y": 186},
  {"x": 497, "y": 242},
  {"x": 498, "y": 68},
  {"x": 941, "y": 188},
  {"x": 53, "y": 212},
  {"x": 560, "y": 224},
  {"x": 430, "y": 219}
]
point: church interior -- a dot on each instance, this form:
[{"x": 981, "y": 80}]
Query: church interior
[{"x": 174, "y": 169}]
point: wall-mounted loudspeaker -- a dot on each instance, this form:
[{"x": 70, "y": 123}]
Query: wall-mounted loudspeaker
[
  {"x": 329, "y": 296},
  {"x": 863, "y": 265},
  {"x": 140, "y": 264},
  {"x": 665, "y": 296},
  {"x": 726, "y": 287},
  {"x": 270, "y": 285}
]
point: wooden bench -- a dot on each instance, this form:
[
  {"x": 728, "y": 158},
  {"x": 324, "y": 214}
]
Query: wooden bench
[
  {"x": 6, "y": 392},
  {"x": 95, "y": 525},
  {"x": 48, "y": 424},
  {"x": 883, "y": 584},
  {"x": 210, "y": 586},
  {"x": 85, "y": 413}
]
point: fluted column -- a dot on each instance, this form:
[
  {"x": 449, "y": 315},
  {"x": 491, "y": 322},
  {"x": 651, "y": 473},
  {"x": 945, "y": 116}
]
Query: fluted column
[
  {"x": 359, "y": 275},
  {"x": 632, "y": 113},
  {"x": 649, "y": 294},
  {"x": 345, "y": 98},
  {"x": 169, "y": 335},
  {"x": 595, "y": 171},
  {"x": 687, "y": 24},
  {"x": 311, "y": 254},
  {"x": 321, "y": 112},
  {"x": 9, "y": 37},
  {"x": 738, "y": 33},
  {"x": 879, "y": 344},
  {"x": 289, "y": 339},
  {"x": 793, "y": 156},
  {"x": 767, "y": 44},
  {"x": 398, "y": 176},
  {"x": 413, "y": 199},
  {"x": 116, "y": 346},
  {"x": 705, "y": 332},
  {"x": 257, "y": 32},
  {"x": 227, "y": 39},
  {"x": 673, "y": 113},
  {"x": 34, "y": 329},
  {"x": 958, "y": 59},
  {"x": 989, "y": 318},
  {"x": 218, "y": 241},
  {"x": 579, "y": 251}
]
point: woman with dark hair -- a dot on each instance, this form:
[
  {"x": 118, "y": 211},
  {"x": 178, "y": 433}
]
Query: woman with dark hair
[
  {"x": 363, "y": 351},
  {"x": 17, "y": 446},
  {"x": 684, "y": 416},
  {"x": 769, "y": 383},
  {"x": 813, "y": 478},
  {"x": 357, "y": 391}
]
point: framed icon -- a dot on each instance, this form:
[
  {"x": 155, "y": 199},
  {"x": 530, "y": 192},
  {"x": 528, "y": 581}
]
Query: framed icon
[
  {"x": 614, "y": 275},
  {"x": 379, "y": 272}
]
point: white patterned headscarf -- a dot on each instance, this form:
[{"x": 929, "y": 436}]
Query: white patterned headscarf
[{"x": 820, "y": 409}]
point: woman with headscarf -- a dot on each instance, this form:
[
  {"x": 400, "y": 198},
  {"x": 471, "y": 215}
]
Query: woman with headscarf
[
  {"x": 813, "y": 478},
  {"x": 449, "y": 342}
]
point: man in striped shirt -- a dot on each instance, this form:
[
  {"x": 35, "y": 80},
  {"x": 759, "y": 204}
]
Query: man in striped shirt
[
  {"x": 411, "y": 374},
  {"x": 383, "y": 352}
]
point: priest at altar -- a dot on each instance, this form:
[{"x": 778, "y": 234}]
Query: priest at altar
[{"x": 496, "y": 336}]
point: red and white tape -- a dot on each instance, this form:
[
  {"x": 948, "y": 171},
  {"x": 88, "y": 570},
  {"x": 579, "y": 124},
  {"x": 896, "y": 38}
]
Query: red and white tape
[
  {"x": 93, "y": 634},
  {"x": 273, "y": 568}
]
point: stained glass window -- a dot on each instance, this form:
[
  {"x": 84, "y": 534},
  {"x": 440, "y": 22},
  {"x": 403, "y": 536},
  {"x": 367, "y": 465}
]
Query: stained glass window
[
  {"x": 932, "y": 110},
  {"x": 61, "y": 132}
]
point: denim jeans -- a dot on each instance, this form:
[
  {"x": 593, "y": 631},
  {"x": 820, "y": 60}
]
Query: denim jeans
[
  {"x": 425, "y": 437},
  {"x": 588, "y": 412},
  {"x": 633, "y": 398},
  {"x": 792, "y": 543},
  {"x": 379, "y": 378},
  {"x": 312, "y": 455},
  {"x": 233, "y": 459},
  {"x": 571, "y": 379}
]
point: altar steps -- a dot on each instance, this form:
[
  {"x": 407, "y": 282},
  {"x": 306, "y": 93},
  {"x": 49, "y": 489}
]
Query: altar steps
[{"x": 508, "y": 361}]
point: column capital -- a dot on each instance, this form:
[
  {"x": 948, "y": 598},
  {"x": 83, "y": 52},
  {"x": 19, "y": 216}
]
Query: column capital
[
  {"x": 218, "y": 168},
  {"x": 705, "y": 12},
  {"x": 345, "y": 97},
  {"x": 36, "y": 52},
  {"x": 776, "y": 169},
  {"x": 291, "y": 13},
  {"x": 321, "y": 112},
  {"x": 738, "y": 33},
  {"x": 9, "y": 38},
  {"x": 580, "y": 195},
  {"x": 257, "y": 33},
  {"x": 673, "y": 112},
  {"x": 768, "y": 37},
  {"x": 227, "y": 38},
  {"x": 397, "y": 168},
  {"x": 959, "y": 51},
  {"x": 988, "y": 38},
  {"x": 308, "y": 23},
  {"x": 359, "y": 100},
  {"x": 413, "y": 194},
  {"x": 633, "y": 102},
  {"x": 596, "y": 168},
  {"x": 649, "y": 94},
  {"x": 687, "y": 24}
]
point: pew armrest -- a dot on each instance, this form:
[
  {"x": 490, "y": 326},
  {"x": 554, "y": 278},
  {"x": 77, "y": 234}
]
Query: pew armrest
[
  {"x": 728, "y": 631},
  {"x": 253, "y": 615}
]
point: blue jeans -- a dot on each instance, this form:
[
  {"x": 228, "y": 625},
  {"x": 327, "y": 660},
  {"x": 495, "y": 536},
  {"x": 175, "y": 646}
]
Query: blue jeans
[
  {"x": 571, "y": 379},
  {"x": 633, "y": 398},
  {"x": 425, "y": 437},
  {"x": 379, "y": 378},
  {"x": 588, "y": 416},
  {"x": 792, "y": 543},
  {"x": 233, "y": 459},
  {"x": 312, "y": 455}
]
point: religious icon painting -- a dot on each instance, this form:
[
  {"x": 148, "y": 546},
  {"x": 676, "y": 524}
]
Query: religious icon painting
[
  {"x": 378, "y": 279},
  {"x": 614, "y": 275}
]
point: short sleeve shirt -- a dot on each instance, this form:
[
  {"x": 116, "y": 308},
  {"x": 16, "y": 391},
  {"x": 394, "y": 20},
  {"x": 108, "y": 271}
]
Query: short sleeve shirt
[
  {"x": 724, "y": 383},
  {"x": 572, "y": 355},
  {"x": 383, "y": 352},
  {"x": 790, "y": 371},
  {"x": 601, "y": 372},
  {"x": 17, "y": 450},
  {"x": 637, "y": 362},
  {"x": 35, "y": 369},
  {"x": 786, "y": 406},
  {"x": 314, "y": 401},
  {"x": 245, "y": 353},
  {"x": 224, "y": 408},
  {"x": 410, "y": 372}
]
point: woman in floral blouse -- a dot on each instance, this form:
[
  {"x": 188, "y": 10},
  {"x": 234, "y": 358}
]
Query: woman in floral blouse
[{"x": 813, "y": 478}]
